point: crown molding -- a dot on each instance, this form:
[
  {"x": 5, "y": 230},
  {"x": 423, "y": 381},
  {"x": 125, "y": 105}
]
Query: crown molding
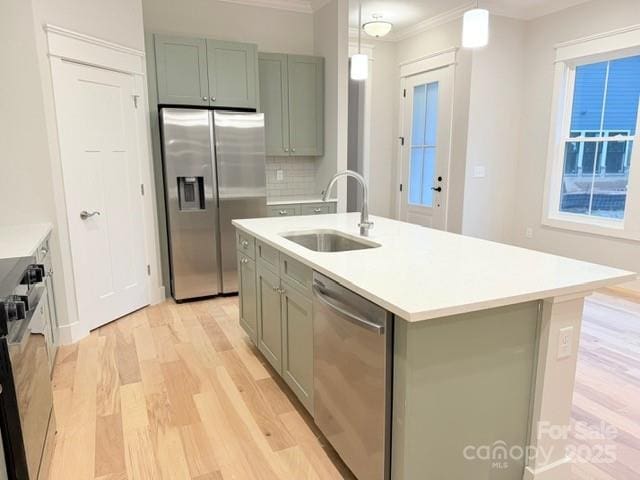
[
  {"x": 299, "y": 6},
  {"x": 431, "y": 23}
]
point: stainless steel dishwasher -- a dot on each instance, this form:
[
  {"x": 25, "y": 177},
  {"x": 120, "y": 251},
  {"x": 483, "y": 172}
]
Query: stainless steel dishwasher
[{"x": 352, "y": 377}]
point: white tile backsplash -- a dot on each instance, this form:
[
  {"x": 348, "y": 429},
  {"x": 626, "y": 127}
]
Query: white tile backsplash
[{"x": 298, "y": 177}]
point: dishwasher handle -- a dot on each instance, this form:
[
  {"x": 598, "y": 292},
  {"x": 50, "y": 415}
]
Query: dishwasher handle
[{"x": 320, "y": 294}]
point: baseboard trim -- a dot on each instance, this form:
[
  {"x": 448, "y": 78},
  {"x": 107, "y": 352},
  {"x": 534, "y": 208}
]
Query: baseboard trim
[
  {"x": 72, "y": 333},
  {"x": 558, "y": 470}
]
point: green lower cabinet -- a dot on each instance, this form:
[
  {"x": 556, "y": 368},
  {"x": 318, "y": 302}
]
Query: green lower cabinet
[
  {"x": 269, "y": 316},
  {"x": 297, "y": 345},
  {"x": 248, "y": 297}
]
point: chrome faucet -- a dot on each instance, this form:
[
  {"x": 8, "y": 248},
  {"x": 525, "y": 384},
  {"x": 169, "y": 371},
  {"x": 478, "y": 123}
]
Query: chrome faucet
[{"x": 365, "y": 225}]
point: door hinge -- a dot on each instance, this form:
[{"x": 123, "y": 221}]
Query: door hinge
[
  {"x": 149, "y": 270},
  {"x": 135, "y": 100},
  {"x": 404, "y": 93},
  {"x": 400, "y": 187},
  {"x": 142, "y": 189},
  {"x": 401, "y": 141}
]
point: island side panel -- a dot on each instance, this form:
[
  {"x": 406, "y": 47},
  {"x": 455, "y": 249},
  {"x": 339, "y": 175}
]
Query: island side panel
[
  {"x": 554, "y": 389},
  {"x": 462, "y": 384}
]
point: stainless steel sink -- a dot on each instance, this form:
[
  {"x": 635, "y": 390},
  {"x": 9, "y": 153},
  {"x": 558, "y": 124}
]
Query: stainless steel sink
[{"x": 328, "y": 241}]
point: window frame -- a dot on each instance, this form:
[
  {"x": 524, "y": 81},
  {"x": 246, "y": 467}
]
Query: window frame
[{"x": 570, "y": 55}]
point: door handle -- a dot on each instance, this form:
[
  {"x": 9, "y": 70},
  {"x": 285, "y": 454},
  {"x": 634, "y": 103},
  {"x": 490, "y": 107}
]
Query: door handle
[
  {"x": 351, "y": 317},
  {"x": 84, "y": 214},
  {"x": 436, "y": 189}
]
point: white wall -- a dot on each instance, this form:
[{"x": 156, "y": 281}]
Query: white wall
[
  {"x": 117, "y": 21},
  {"x": 384, "y": 127},
  {"x": 494, "y": 130},
  {"x": 272, "y": 30},
  {"x": 541, "y": 36},
  {"x": 26, "y": 194},
  {"x": 331, "y": 32}
]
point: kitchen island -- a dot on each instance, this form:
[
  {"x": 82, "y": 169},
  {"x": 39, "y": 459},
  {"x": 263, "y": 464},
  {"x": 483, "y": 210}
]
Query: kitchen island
[{"x": 484, "y": 338}]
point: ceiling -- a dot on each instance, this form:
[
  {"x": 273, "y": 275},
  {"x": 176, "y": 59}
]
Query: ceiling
[{"x": 407, "y": 13}]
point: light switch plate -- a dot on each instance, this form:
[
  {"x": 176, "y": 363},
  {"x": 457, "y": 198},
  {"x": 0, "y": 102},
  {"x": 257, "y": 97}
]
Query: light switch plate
[
  {"x": 479, "y": 171},
  {"x": 528, "y": 232},
  {"x": 565, "y": 342},
  {"x": 279, "y": 175}
]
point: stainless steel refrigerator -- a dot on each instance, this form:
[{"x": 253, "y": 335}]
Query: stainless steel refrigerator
[{"x": 214, "y": 172}]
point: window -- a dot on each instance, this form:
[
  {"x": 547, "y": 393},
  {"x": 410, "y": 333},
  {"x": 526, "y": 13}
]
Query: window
[
  {"x": 590, "y": 186},
  {"x": 423, "y": 144}
]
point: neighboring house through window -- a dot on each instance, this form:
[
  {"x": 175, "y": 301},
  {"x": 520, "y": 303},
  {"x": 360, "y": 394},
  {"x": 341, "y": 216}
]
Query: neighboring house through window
[{"x": 590, "y": 186}]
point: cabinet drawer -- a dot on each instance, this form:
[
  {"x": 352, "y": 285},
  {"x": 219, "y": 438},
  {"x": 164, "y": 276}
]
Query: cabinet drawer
[
  {"x": 296, "y": 273},
  {"x": 315, "y": 209},
  {"x": 268, "y": 256},
  {"x": 284, "y": 211},
  {"x": 246, "y": 244}
]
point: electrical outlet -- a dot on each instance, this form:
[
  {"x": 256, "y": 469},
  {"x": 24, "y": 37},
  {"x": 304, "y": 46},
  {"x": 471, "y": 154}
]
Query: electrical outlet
[
  {"x": 279, "y": 175},
  {"x": 565, "y": 342},
  {"x": 528, "y": 232}
]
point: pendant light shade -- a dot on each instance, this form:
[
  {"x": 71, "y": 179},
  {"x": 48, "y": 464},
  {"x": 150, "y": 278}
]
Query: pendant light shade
[
  {"x": 377, "y": 28},
  {"x": 359, "y": 61},
  {"x": 359, "y": 66},
  {"x": 475, "y": 28}
]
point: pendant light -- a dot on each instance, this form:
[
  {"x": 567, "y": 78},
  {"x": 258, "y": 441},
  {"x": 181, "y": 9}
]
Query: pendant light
[
  {"x": 359, "y": 61},
  {"x": 475, "y": 28}
]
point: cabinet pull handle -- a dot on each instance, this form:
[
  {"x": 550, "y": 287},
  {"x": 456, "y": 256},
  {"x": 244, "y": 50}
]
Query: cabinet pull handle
[
  {"x": 205, "y": 98},
  {"x": 282, "y": 291},
  {"x": 276, "y": 289},
  {"x": 283, "y": 212},
  {"x": 293, "y": 150},
  {"x": 244, "y": 244},
  {"x": 244, "y": 260},
  {"x": 286, "y": 149},
  {"x": 213, "y": 99},
  {"x": 317, "y": 210}
]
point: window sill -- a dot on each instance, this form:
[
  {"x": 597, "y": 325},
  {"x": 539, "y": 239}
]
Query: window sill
[{"x": 578, "y": 223}]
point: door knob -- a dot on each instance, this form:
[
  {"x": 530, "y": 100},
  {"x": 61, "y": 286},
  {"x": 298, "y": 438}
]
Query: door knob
[
  {"x": 84, "y": 214},
  {"x": 436, "y": 189}
]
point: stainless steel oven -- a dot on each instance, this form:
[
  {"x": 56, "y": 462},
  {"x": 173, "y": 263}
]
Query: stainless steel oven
[
  {"x": 26, "y": 399},
  {"x": 353, "y": 360}
]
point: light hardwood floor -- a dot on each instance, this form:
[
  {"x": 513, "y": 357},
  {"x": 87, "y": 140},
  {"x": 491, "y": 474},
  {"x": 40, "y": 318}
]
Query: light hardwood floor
[{"x": 177, "y": 392}]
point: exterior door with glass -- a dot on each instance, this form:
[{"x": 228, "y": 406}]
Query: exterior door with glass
[{"x": 426, "y": 150}]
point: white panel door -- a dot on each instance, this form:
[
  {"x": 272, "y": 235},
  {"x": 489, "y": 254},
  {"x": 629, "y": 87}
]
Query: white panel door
[
  {"x": 101, "y": 173},
  {"x": 427, "y": 148}
]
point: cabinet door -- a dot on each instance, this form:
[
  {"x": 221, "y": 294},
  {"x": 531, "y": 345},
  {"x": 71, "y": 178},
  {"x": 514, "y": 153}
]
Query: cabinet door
[
  {"x": 248, "y": 301},
  {"x": 274, "y": 102},
  {"x": 297, "y": 351},
  {"x": 233, "y": 71},
  {"x": 181, "y": 65},
  {"x": 306, "y": 105},
  {"x": 269, "y": 317}
]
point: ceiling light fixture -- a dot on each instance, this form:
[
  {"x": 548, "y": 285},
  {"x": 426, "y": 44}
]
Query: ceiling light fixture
[
  {"x": 377, "y": 27},
  {"x": 359, "y": 61},
  {"x": 475, "y": 28}
]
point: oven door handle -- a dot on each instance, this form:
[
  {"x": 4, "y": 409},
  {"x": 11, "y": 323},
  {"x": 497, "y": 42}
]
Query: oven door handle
[{"x": 323, "y": 298}]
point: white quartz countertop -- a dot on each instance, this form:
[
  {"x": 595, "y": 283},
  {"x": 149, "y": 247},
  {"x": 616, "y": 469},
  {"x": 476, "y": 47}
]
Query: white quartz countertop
[
  {"x": 22, "y": 240},
  {"x": 300, "y": 200},
  {"x": 420, "y": 273}
]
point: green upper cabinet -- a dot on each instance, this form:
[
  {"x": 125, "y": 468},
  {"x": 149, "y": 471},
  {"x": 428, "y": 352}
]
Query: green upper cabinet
[
  {"x": 292, "y": 99},
  {"x": 233, "y": 74},
  {"x": 306, "y": 105},
  {"x": 199, "y": 72},
  {"x": 181, "y": 65},
  {"x": 274, "y": 102}
]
